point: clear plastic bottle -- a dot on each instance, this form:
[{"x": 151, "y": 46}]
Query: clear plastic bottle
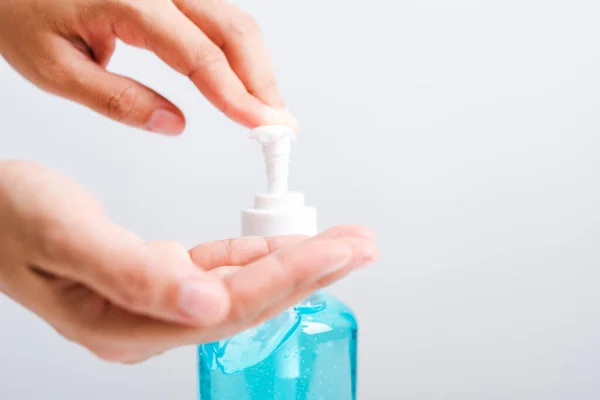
[
  {"x": 307, "y": 352},
  {"x": 314, "y": 358}
]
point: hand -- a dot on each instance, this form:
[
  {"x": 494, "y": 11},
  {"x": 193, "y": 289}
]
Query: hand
[
  {"x": 125, "y": 300},
  {"x": 64, "y": 46}
]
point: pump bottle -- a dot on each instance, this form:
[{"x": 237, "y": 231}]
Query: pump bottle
[{"x": 307, "y": 352}]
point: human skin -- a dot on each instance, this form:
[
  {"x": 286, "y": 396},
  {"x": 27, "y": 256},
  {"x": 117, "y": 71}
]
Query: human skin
[
  {"x": 95, "y": 282},
  {"x": 64, "y": 46},
  {"x": 124, "y": 299}
]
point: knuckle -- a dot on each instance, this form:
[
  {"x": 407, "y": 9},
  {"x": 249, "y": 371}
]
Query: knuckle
[
  {"x": 131, "y": 8},
  {"x": 135, "y": 289},
  {"x": 249, "y": 303},
  {"x": 174, "y": 247},
  {"x": 240, "y": 251},
  {"x": 168, "y": 251},
  {"x": 55, "y": 240},
  {"x": 243, "y": 25},
  {"x": 51, "y": 73},
  {"x": 268, "y": 85},
  {"x": 241, "y": 309},
  {"x": 228, "y": 250},
  {"x": 283, "y": 273},
  {"x": 241, "y": 312},
  {"x": 120, "y": 105},
  {"x": 132, "y": 17},
  {"x": 204, "y": 55},
  {"x": 229, "y": 105}
]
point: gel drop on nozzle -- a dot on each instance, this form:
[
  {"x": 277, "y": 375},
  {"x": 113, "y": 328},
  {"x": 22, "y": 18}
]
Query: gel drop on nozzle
[{"x": 307, "y": 352}]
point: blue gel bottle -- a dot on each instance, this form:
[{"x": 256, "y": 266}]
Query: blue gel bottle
[{"x": 307, "y": 352}]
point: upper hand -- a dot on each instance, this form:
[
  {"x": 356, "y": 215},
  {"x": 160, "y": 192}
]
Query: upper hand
[
  {"x": 126, "y": 300},
  {"x": 63, "y": 46}
]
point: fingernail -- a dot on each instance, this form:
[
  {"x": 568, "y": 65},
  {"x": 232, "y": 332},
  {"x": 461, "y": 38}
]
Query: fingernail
[
  {"x": 166, "y": 122},
  {"x": 204, "y": 302}
]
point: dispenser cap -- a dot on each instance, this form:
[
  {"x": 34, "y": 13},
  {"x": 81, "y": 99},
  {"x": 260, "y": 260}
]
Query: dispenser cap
[{"x": 278, "y": 212}]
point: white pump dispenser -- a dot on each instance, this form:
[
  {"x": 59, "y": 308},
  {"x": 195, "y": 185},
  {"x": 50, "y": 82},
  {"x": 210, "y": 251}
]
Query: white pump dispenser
[
  {"x": 278, "y": 212},
  {"x": 306, "y": 351}
]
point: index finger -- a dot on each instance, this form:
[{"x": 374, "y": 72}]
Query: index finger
[
  {"x": 240, "y": 38},
  {"x": 163, "y": 29},
  {"x": 239, "y": 251}
]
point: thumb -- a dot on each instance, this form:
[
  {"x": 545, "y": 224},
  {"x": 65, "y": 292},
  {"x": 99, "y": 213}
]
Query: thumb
[
  {"x": 156, "y": 279},
  {"x": 117, "y": 97}
]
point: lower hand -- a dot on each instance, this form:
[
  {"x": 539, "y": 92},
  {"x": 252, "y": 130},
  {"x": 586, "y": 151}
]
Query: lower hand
[{"x": 126, "y": 300}]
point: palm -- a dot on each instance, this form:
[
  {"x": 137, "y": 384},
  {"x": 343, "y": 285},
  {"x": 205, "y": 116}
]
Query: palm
[{"x": 102, "y": 286}]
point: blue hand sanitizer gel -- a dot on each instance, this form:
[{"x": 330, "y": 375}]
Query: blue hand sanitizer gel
[{"x": 307, "y": 352}]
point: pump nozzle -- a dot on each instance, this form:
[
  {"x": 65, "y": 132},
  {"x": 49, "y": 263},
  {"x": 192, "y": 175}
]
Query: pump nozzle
[
  {"x": 279, "y": 211},
  {"x": 276, "y": 145}
]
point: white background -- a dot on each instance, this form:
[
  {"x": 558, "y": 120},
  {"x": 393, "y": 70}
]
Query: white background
[{"x": 465, "y": 133}]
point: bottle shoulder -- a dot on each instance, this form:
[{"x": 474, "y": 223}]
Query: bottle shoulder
[{"x": 321, "y": 318}]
